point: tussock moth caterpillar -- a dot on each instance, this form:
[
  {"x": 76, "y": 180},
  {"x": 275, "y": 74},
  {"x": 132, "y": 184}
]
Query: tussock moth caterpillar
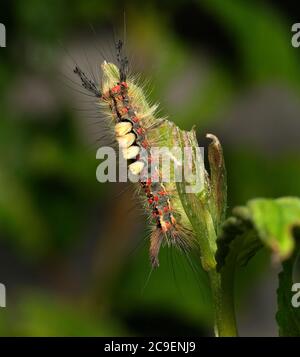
[{"x": 137, "y": 131}]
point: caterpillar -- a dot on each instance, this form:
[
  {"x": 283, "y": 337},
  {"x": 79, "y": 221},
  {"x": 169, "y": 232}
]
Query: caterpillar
[{"x": 135, "y": 127}]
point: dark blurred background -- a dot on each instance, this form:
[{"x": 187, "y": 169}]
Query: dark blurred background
[{"x": 73, "y": 252}]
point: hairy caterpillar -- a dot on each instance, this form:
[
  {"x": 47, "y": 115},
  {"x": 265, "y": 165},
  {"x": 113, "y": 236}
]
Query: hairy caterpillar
[{"x": 135, "y": 127}]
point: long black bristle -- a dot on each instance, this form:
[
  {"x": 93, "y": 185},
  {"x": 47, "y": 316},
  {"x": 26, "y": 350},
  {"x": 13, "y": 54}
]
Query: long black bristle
[{"x": 87, "y": 83}]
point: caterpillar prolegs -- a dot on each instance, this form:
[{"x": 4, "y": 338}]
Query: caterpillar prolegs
[{"x": 135, "y": 127}]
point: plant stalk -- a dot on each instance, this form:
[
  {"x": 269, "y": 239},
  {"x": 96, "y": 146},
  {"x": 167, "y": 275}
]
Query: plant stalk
[
  {"x": 222, "y": 286},
  {"x": 224, "y": 311}
]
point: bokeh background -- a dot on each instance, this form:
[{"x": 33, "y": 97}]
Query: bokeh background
[{"x": 73, "y": 252}]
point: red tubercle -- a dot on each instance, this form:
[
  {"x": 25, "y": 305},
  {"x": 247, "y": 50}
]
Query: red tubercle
[
  {"x": 140, "y": 131},
  {"x": 166, "y": 209},
  {"x": 148, "y": 182},
  {"x": 135, "y": 119},
  {"x": 168, "y": 225},
  {"x": 145, "y": 144},
  {"x": 124, "y": 84},
  {"x": 162, "y": 193},
  {"x": 116, "y": 89},
  {"x": 159, "y": 212},
  {"x": 155, "y": 198},
  {"x": 150, "y": 201}
]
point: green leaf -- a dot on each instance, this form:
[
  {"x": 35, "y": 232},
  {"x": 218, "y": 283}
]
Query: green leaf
[
  {"x": 274, "y": 221},
  {"x": 288, "y": 316},
  {"x": 262, "y": 222},
  {"x": 218, "y": 182},
  {"x": 196, "y": 204},
  {"x": 237, "y": 243}
]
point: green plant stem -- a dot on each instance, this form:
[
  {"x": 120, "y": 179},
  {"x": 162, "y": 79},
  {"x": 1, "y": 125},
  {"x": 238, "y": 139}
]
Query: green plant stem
[
  {"x": 222, "y": 293},
  {"x": 222, "y": 286}
]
